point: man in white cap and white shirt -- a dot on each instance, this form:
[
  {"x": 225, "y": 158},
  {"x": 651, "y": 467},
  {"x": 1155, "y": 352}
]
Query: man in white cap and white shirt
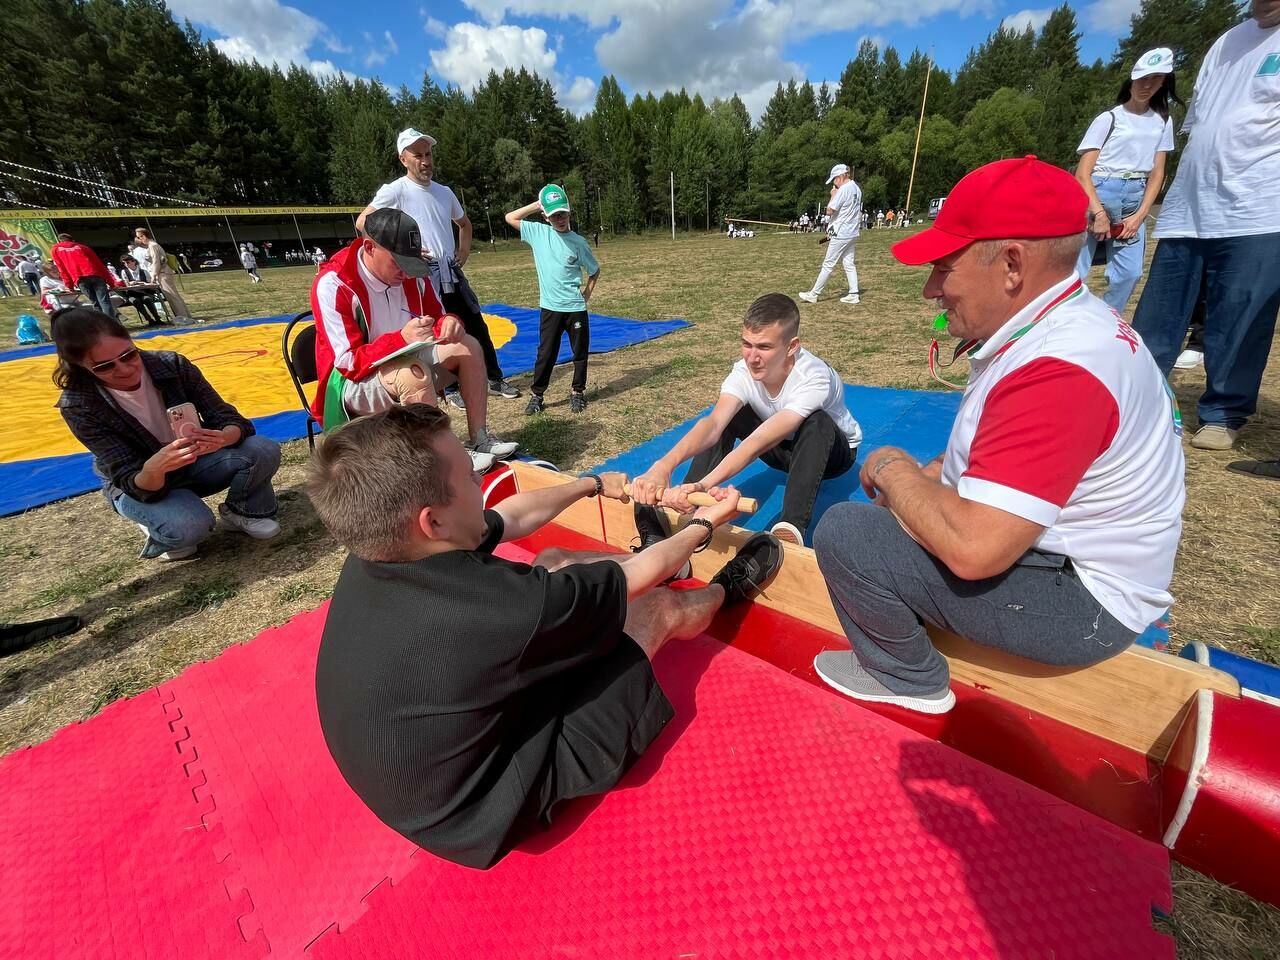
[
  {"x": 436, "y": 209},
  {"x": 1220, "y": 227},
  {"x": 845, "y": 211}
]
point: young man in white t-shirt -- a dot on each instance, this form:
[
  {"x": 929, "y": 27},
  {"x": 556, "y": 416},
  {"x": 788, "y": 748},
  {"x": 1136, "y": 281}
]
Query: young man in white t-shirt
[
  {"x": 1220, "y": 227},
  {"x": 784, "y": 405},
  {"x": 436, "y": 209},
  {"x": 1049, "y": 526},
  {"x": 845, "y": 211}
]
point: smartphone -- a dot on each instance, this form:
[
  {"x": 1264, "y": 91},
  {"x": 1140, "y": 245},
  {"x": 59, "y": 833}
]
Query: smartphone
[{"x": 184, "y": 420}]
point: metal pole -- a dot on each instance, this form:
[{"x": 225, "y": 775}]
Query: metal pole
[
  {"x": 234, "y": 245},
  {"x": 298, "y": 229},
  {"x": 673, "y": 204},
  {"x": 928, "y": 69}
]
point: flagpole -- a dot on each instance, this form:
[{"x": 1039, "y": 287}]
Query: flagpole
[{"x": 928, "y": 69}]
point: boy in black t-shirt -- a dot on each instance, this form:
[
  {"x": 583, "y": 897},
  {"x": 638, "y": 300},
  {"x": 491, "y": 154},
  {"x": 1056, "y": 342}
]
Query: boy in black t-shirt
[{"x": 462, "y": 695}]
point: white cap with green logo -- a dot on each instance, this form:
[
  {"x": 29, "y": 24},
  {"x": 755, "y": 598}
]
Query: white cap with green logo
[
  {"x": 553, "y": 199},
  {"x": 1159, "y": 60}
]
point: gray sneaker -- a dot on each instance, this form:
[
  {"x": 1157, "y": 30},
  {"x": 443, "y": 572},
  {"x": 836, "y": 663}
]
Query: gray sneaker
[
  {"x": 481, "y": 462},
  {"x": 496, "y": 447},
  {"x": 454, "y": 399},
  {"x": 500, "y": 388},
  {"x": 260, "y": 528},
  {"x": 841, "y": 670},
  {"x": 1214, "y": 436}
]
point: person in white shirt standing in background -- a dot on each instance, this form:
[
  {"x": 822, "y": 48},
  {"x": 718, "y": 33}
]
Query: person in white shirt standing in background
[
  {"x": 845, "y": 222},
  {"x": 436, "y": 209},
  {"x": 162, "y": 274},
  {"x": 1220, "y": 227},
  {"x": 1122, "y": 162}
]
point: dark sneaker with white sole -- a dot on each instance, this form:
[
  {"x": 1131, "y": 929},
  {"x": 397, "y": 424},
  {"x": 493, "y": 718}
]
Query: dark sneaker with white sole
[
  {"x": 840, "y": 670},
  {"x": 577, "y": 402},
  {"x": 758, "y": 561},
  {"x": 534, "y": 406},
  {"x": 453, "y": 398},
  {"x": 653, "y": 527},
  {"x": 500, "y": 388}
]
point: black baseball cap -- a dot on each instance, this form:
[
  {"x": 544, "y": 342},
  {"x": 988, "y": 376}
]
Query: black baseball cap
[{"x": 398, "y": 233}]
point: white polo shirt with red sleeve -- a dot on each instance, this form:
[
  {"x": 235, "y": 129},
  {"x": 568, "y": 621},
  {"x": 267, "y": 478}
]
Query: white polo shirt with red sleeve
[{"x": 1067, "y": 422}]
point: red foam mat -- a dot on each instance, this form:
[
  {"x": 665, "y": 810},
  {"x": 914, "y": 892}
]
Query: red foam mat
[
  {"x": 103, "y": 851},
  {"x": 771, "y": 819}
]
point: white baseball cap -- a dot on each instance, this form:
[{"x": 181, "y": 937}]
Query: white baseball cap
[
  {"x": 411, "y": 136},
  {"x": 840, "y": 169},
  {"x": 1159, "y": 60}
]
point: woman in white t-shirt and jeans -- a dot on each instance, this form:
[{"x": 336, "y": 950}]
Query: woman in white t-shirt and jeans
[{"x": 1122, "y": 161}]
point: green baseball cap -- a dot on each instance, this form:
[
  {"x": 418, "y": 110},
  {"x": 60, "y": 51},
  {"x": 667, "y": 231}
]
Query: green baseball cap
[{"x": 553, "y": 199}]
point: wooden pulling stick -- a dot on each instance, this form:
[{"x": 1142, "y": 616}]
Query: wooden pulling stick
[{"x": 745, "y": 504}]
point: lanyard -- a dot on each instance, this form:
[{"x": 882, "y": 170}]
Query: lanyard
[{"x": 969, "y": 347}]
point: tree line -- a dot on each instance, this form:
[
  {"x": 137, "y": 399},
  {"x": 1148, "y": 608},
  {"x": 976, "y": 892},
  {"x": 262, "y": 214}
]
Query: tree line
[{"x": 116, "y": 91}]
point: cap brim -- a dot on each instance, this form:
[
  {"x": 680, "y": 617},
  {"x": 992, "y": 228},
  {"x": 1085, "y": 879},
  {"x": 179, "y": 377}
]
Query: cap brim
[
  {"x": 1139, "y": 74},
  {"x": 552, "y": 213},
  {"x": 928, "y": 246},
  {"x": 412, "y": 266}
]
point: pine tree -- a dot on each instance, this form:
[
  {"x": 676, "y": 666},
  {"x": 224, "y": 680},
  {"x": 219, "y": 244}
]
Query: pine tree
[{"x": 858, "y": 81}]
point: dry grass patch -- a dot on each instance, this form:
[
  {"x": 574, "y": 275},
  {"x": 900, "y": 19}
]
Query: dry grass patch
[{"x": 147, "y": 621}]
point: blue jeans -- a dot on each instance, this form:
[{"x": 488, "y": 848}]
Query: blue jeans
[
  {"x": 885, "y": 587},
  {"x": 181, "y": 518},
  {"x": 96, "y": 289},
  {"x": 1120, "y": 198},
  {"x": 1241, "y": 280}
]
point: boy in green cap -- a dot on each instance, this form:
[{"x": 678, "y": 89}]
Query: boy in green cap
[{"x": 560, "y": 256}]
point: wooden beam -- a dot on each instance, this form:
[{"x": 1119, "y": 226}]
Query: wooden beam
[{"x": 1136, "y": 699}]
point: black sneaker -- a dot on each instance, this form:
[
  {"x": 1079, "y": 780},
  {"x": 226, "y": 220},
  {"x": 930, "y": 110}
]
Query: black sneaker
[
  {"x": 534, "y": 406},
  {"x": 757, "y": 562},
  {"x": 19, "y": 636},
  {"x": 577, "y": 402},
  {"x": 500, "y": 388},
  {"x": 652, "y": 526}
]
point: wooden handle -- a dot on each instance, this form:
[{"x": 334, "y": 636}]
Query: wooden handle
[{"x": 745, "y": 504}]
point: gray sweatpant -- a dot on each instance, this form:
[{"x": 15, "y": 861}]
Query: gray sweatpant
[{"x": 885, "y": 587}]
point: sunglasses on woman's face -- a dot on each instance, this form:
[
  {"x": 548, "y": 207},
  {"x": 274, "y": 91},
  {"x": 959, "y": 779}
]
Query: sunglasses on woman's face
[{"x": 127, "y": 357}]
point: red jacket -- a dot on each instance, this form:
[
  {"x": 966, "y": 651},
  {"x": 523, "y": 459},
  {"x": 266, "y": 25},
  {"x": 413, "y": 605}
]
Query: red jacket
[
  {"x": 75, "y": 260},
  {"x": 340, "y": 303}
]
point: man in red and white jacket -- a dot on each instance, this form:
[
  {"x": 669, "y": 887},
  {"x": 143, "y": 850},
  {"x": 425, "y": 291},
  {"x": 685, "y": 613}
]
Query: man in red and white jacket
[
  {"x": 382, "y": 337},
  {"x": 81, "y": 268},
  {"x": 1048, "y": 527}
]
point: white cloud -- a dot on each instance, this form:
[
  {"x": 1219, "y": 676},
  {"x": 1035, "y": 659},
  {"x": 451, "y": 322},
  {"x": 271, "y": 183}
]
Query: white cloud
[
  {"x": 375, "y": 57},
  {"x": 716, "y": 47},
  {"x": 391, "y": 42},
  {"x": 434, "y": 28},
  {"x": 471, "y": 50},
  {"x": 263, "y": 30},
  {"x": 1110, "y": 16},
  {"x": 1035, "y": 19}
]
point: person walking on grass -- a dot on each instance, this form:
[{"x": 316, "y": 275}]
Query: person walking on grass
[
  {"x": 1219, "y": 228},
  {"x": 560, "y": 256},
  {"x": 250, "y": 263},
  {"x": 845, "y": 210},
  {"x": 163, "y": 275},
  {"x": 1122, "y": 162},
  {"x": 787, "y": 408},
  {"x": 120, "y": 402},
  {"x": 437, "y": 211}
]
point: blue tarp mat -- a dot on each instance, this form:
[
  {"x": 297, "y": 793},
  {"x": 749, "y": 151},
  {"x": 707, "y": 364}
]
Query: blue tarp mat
[{"x": 31, "y": 483}]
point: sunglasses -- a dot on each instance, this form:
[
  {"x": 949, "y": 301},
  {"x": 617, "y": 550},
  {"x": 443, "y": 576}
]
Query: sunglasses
[{"x": 127, "y": 357}]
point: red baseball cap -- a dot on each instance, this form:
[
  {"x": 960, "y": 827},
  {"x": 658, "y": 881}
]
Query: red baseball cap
[{"x": 1018, "y": 199}]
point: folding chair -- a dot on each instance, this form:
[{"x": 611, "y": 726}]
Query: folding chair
[{"x": 300, "y": 361}]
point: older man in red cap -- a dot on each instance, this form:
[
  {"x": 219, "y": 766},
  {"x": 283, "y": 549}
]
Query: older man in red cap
[{"x": 1049, "y": 525}]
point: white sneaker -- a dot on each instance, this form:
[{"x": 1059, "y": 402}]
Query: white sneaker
[
  {"x": 486, "y": 442},
  {"x": 1188, "y": 360},
  {"x": 808, "y": 296},
  {"x": 481, "y": 462},
  {"x": 184, "y": 554},
  {"x": 850, "y": 298},
  {"x": 260, "y": 528},
  {"x": 788, "y": 533},
  {"x": 1214, "y": 436}
]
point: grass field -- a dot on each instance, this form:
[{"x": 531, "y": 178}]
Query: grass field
[{"x": 147, "y": 621}]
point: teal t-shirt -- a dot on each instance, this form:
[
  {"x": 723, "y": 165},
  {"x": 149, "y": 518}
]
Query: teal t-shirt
[{"x": 560, "y": 259}]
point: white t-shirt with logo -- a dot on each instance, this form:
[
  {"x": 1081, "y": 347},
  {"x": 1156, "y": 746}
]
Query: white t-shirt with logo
[
  {"x": 434, "y": 207},
  {"x": 147, "y": 407},
  {"x": 811, "y": 385},
  {"x": 1135, "y": 140},
  {"x": 1227, "y": 180},
  {"x": 847, "y": 203},
  {"x": 1072, "y": 427}
]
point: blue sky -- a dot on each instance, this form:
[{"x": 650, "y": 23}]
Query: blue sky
[{"x": 714, "y": 47}]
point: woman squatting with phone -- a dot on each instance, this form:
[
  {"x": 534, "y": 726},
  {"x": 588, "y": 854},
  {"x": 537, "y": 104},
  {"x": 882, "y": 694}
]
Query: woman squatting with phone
[{"x": 161, "y": 437}]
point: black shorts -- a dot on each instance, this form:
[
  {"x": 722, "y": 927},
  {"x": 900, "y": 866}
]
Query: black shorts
[{"x": 614, "y": 714}]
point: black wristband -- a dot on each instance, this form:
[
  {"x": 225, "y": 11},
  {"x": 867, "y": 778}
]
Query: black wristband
[
  {"x": 599, "y": 483},
  {"x": 698, "y": 521}
]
